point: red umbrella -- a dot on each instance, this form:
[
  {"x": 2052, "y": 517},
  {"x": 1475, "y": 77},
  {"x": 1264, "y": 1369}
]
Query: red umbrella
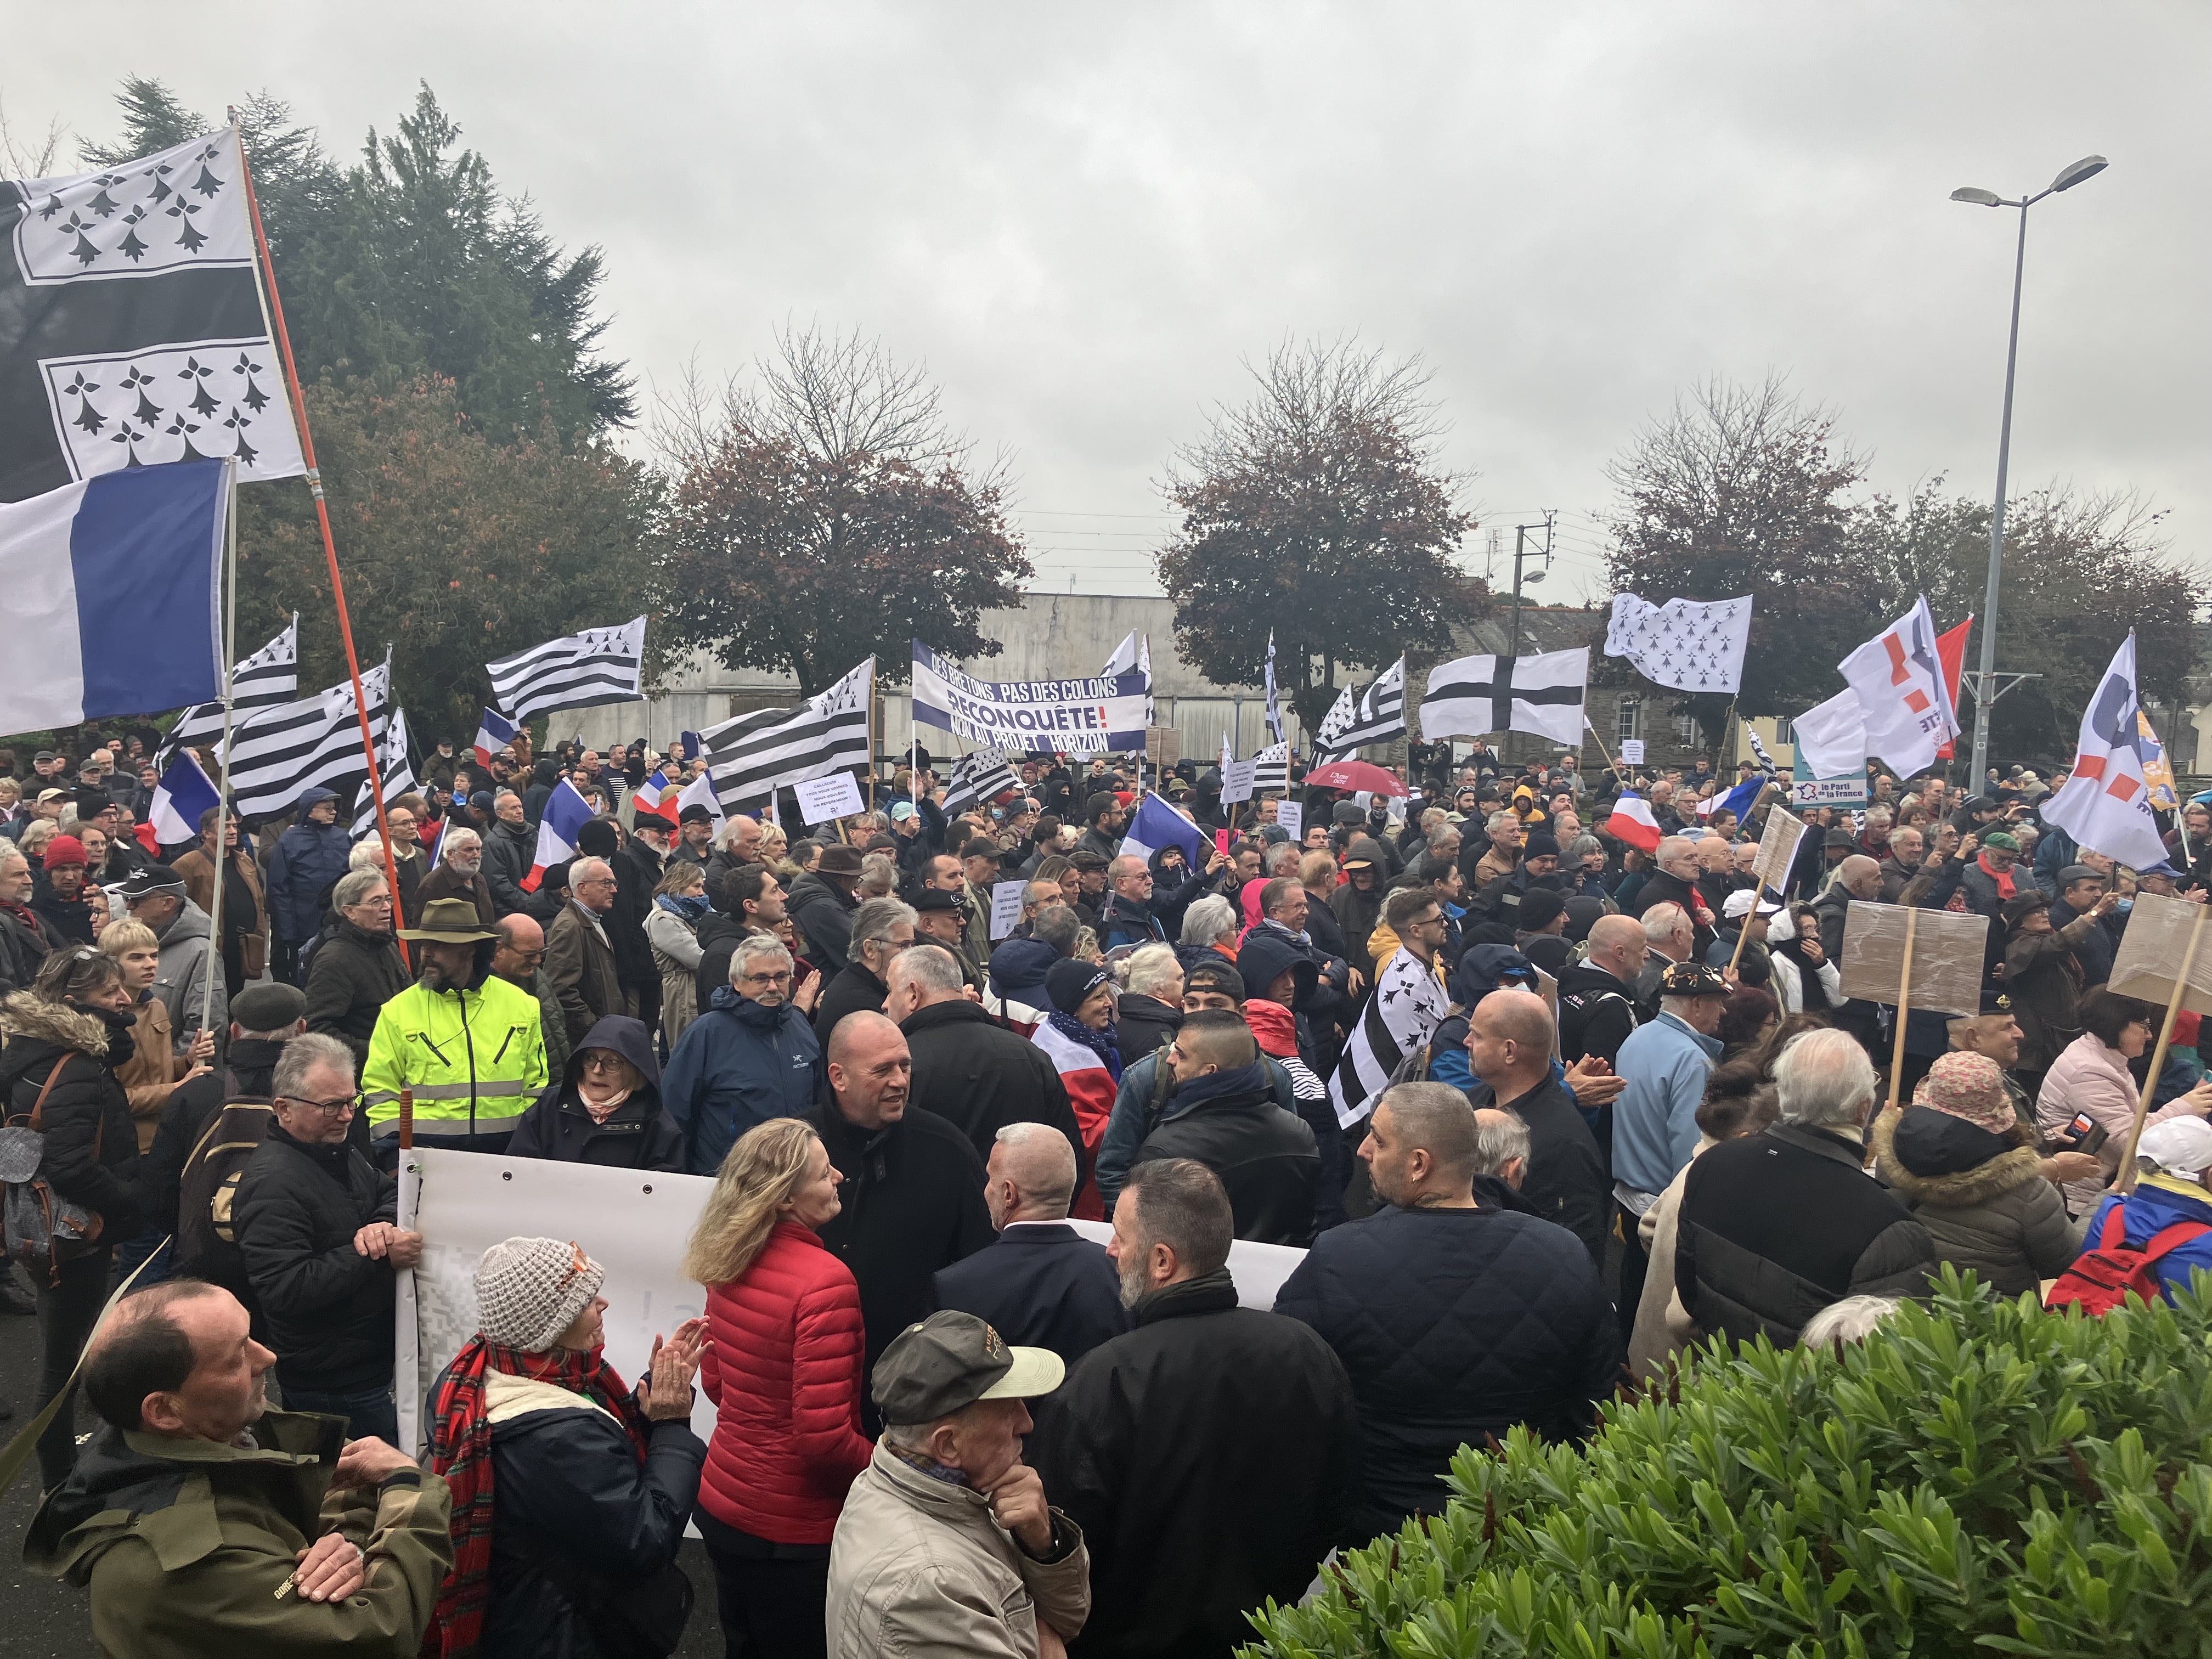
[{"x": 1356, "y": 775}]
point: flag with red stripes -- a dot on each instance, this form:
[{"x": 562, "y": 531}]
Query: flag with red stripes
[{"x": 2105, "y": 805}]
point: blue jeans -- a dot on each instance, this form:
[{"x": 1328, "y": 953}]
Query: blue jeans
[{"x": 369, "y": 1411}]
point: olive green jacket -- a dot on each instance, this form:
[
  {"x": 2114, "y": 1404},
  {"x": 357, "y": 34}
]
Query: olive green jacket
[{"x": 188, "y": 1545}]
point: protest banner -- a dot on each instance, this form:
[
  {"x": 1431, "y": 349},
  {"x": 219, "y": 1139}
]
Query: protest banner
[
  {"x": 1088, "y": 716},
  {"x": 1777, "y": 847},
  {"x": 1913, "y": 959},
  {"x": 1237, "y": 778},
  {"x": 1807, "y": 790},
  {"x": 2160, "y": 960},
  {"x": 1006, "y": 907},
  {"x": 1631, "y": 751},
  {"x": 1292, "y": 816},
  {"x": 821, "y": 800},
  {"x": 634, "y": 1223}
]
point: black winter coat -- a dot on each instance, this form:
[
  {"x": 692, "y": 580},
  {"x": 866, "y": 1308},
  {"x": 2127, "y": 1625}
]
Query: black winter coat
[
  {"x": 509, "y": 849},
  {"x": 913, "y": 1194},
  {"x": 978, "y": 1077},
  {"x": 856, "y": 991},
  {"x": 1043, "y": 1285},
  {"x": 1596, "y": 1013},
  {"x": 823, "y": 913},
  {"x": 1567, "y": 1183},
  {"x": 574, "y": 1506},
  {"x": 329, "y": 1307},
  {"x": 1455, "y": 1326},
  {"x": 23, "y": 947},
  {"x": 1265, "y": 1157},
  {"x": 191, "y": 1108},
  {"x": 1774, "y": 1227},
  {"x": 353, "y": 975},
  {"x": 718, "y": 937},
  {"x": 1212, "y": 1456},
  {"x": 639, "y": 1134},
  {"x": 91, "y": 1151},
  {"x": 1142, "y": 1023}
]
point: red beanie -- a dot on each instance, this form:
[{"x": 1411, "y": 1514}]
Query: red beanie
[{"x": 66, "y": 850}]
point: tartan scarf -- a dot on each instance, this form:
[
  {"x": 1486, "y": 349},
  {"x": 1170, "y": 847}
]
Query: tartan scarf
[{"x": 460, "y": 1451}]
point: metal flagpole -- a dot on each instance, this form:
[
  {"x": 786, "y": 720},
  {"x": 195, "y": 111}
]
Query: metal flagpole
[
  {"x": 272, "y": 305},
  {"x": 222, "y": 787}
]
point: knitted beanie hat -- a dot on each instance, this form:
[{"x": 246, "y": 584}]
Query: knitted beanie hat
[
  {"x": 1969, "y": 1086},
  {"x": 531, "y": 1290}
]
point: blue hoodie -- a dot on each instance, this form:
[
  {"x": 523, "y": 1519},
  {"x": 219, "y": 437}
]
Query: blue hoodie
[
  {"x": 307, "y": 858},
  {"x": 736, "y": 1067}
]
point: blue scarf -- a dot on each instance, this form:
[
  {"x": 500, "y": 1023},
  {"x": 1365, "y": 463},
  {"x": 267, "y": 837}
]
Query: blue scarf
[
  {"x": 1212, "y": 1085},
  {"x": 688, "y": 907},
  {"x": 1100, "y": 1043}
]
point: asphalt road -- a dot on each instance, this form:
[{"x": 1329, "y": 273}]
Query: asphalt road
[{"x": 40, "y": 1619}]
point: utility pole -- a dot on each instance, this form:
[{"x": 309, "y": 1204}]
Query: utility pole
[{"x": 1520, "y": 552}]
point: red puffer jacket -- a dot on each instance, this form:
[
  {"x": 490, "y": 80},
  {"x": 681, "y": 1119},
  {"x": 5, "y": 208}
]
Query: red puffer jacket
[{"x": 784, "y": 1373}]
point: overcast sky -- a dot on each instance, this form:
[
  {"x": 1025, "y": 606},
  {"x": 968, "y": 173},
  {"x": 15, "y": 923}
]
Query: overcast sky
[{"x": 1085, "y": 219}]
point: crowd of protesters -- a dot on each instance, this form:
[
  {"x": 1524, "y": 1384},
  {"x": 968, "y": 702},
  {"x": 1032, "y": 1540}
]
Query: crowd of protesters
[{"x": 1617, "y": 1103}]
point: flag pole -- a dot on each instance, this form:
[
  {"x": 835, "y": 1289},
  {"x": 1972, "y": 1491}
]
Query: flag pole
[
  {"x": 2127, "y": 1170},
  {"x": 1904, "y": 1009},
  {"x": 272, "y": 305},
  {"x": 872, "y": 741},
  {"x": 222, "y": 789}
]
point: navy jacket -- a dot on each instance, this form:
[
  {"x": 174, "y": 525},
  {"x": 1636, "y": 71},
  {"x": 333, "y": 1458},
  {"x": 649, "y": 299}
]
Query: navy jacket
[
  {"x": 307, "y": 859},
  {"x": 1454, "y": 1326},
  {"x": 1042, "y": 1286},
  {"x": 736, "y": 1067}
]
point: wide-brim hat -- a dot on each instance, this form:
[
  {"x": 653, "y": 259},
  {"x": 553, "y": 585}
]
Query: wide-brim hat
[
  {"x": 838, "y": 861},
  {"x": 450, "y": 921}
]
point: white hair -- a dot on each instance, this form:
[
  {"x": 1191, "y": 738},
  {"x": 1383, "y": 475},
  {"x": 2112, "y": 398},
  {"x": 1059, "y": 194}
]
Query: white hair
[
  {"x": 1661, "y": 921},
  {"x": 458, "y": 839},
  {"x": 1151, "y": 966},
  {"x": 1851, "y": 1320},
  {"x": 1209, "y": 919},
  {"x": 750, "y": 948},
  {"x": 1823, "y": 1080}
]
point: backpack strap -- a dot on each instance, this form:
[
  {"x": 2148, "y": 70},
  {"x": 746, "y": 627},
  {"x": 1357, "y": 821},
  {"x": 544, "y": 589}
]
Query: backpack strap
[
  {"x": 2116, "y": 1228},
  {"x": 37, "y": 1123},
  {"x": 2171, "y": 1238}
]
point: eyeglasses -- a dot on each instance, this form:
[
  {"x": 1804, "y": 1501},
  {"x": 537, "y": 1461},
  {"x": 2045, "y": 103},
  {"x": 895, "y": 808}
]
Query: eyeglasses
[
  {"x": 598, "y": 1060},
  {"x": 327, "y": 1108}
]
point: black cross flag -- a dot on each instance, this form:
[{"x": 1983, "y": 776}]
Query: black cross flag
[
  {"x": 1474, "y": 696},
  {"x": 131, "y": 329}
]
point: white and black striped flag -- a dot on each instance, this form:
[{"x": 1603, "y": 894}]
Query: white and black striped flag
[
  {"x": 1758, "y": 752},
  {"x": 770, "y": 749},
  {"x": 397, "y": 766},
  {"x": 1378, "y": 716},
  {"x": 1408, "y": 1005},
  {"x": 577, "y": 671},
  {"x": 1272, "y": 775},
  {"x": 268, "y": 677},
  {"x": 317, "y": 742},
  {"x": 978, "y": 778}
]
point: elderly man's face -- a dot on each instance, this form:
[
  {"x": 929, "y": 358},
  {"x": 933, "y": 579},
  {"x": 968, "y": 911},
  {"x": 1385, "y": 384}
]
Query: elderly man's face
[
  {"x": 371, "y": 912},
  {"x": 401, "y": 822},
  {"x": 594, "y": 889},
  {"x": 1290, "y": 911},
  {"x": 941, "y": 927},
  {"x": 2085, "y": 892},
  {"x": 14, "y": 879},
  {"x": 319, "y": 1114},
  {"x": 508, "y": 809},
  {"x": 464, "y": 853},
  {"x": 1906, "y": 846}
]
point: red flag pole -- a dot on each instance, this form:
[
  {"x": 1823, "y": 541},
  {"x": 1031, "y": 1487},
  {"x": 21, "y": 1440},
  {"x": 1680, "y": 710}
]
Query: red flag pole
[{"x": 275, "y": 307}]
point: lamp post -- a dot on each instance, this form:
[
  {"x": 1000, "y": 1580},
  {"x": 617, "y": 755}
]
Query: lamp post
[{"x": 1984, "y": 693}]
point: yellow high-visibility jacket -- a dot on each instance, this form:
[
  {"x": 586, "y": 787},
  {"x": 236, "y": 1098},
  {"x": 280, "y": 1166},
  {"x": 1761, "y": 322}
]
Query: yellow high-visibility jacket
[{"x": 475, "y": 1059}]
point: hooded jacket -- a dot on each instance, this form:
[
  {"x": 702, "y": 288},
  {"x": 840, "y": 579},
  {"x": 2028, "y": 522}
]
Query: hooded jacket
[
  {"x": 1142, "y": 1023},
  {"x": 736, "y": 1067},
  {"x": 90, "y": 1155},
  {"x": 1356, "y": 912},
  {"x": 1981, "y": 1196},
  {"x": 1265, "y": 1157},
  {"x": 186, "y": 1544},
  {"x": 181, "y": 978},
  {"x": 823, "y": 913},
  {"x": 305, "y": 861},
  {"x": 637, "y": 1134}
]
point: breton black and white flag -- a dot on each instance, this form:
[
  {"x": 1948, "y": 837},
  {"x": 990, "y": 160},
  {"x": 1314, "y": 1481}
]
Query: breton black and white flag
[
  {"x": 395, "y": 762},
  {"x": 270, "y": 677},
  {"x": 317, "y": 742},
  {"x": 1273, "y": 773},
  {"x": 750, "y": 756},
  {"x": 1408, "y": 1005},
  {"x": 1690, "y": 645},
  {"x": 1378, "y": 716},
  {"x": 1758, "y": 752},
  {"x": 577, "y": 671},
  {"x": 977, "y": 778},
  {"x": 1474, "y": 696},
  {"x": 132, "y": 329},
  {"x": 1274, "y": 700}
]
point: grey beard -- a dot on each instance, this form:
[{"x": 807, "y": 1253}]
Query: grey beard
[{"x": 468, "y": 869}]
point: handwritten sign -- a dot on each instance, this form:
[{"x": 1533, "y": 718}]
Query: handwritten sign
[
  {"x": 1006, "y": 907},
  {"x": 1292, "y": 816},
  {"x": 1631, "y": 751},
  {"x": 1777, "y": 847},
  {"x": 821, "y": 800}
]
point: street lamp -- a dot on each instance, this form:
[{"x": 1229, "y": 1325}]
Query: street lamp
[{"x": 2088, "y": 167}]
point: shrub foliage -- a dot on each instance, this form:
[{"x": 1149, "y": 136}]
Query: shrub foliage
[{"x": 1978, "y": 1477}]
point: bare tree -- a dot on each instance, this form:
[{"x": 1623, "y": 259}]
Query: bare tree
[{"x": 22, "y": 156}]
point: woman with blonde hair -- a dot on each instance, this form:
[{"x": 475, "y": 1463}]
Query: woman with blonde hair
[
  {"x": 153, "y": 1071},
  {"x": 784, "y": 1371},
  {"x": 671, "y": 928}
]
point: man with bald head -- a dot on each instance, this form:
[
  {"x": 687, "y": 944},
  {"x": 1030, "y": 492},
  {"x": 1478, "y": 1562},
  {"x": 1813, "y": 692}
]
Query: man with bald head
[
  {"x": 912, "y": 1188},
  {"x": 1455, "y": 1320},
  {"x": 1042, "y": 1284},
  {"x": 1597, "y": 996},
  {"x": 1508, "y": 1049}
]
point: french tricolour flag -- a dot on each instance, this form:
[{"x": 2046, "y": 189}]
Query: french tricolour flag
[
  {"x": 182, "y": 795},
  {"x": 655, "y": 798},
  {"x": 494, "y": 732},
  {"x": 1631, "y": 822},
  {"x": 111, "y": 587},
  {"x": 1091, "y": 1090},
  {"x": 566, "y": 814}
]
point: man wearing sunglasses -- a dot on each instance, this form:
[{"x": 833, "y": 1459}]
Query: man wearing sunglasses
[{"x": 313, "y": 1219}]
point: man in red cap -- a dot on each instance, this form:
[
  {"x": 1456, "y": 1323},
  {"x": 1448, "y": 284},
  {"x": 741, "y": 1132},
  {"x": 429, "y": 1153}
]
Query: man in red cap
[{"x": 60, "y": 899}]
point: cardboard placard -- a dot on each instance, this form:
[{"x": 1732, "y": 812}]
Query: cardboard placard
[
  {"x": 1947, "y": 949},
  {"x": 2148, "y": 963},
  {"x": 1006, "y": 907},
  {"x": 1163, "y": 745},
  {"x": 1631, "y": 751},
  {"x": 1237, "y": 778},
  {"x": 1777, "y": 847},
  {"x": 1292, "y": 816},
  {"x": 821, "y": 800}
]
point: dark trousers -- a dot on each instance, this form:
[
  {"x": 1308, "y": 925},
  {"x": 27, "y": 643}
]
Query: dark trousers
[
  {"x": 284, "y": 961},
  {"x": 367, "y": 1411},
  {"x": 67, "y": 1312},
  {"x": 773, "y": 1598},
  {"x": 1635, "y": 1263},
  {"x": 147, "y": 1241}
]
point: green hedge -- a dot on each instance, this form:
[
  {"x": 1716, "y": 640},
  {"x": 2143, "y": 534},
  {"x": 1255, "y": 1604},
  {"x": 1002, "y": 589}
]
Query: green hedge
[{"x": 1977, "y": 1477}]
